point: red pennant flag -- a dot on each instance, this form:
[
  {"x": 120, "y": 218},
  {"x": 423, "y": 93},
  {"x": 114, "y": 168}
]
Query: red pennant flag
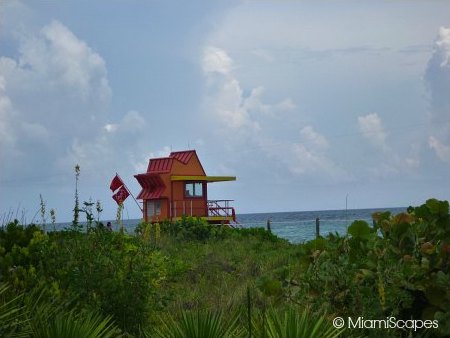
[
  {"x": 116, "y": 183},
  {"x": 121, "y": 195}
]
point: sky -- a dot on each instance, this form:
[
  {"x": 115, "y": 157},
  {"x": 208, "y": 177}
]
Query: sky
[{"x": 307, "y": 103}]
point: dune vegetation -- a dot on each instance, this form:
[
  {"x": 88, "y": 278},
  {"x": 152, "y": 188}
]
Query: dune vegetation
[{"x": 191, "y": 279}]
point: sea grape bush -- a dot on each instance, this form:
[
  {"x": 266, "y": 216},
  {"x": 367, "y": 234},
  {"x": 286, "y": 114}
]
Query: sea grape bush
[{"x": 399, "y": 267}]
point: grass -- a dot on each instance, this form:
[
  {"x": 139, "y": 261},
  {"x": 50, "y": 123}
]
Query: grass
[{"x": 215, "y": 274}]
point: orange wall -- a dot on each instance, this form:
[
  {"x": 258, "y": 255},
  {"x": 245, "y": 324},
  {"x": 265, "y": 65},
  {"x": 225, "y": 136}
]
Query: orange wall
[
  {"x": 178, "y": 190},
  {"x": 193, "y": 168}
]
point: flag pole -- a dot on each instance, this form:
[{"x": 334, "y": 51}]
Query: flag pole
[{"x": 142, "y": 210}]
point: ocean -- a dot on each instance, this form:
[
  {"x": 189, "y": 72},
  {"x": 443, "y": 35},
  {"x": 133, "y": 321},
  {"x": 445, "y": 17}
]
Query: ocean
[{"x": 299, "y": 226}]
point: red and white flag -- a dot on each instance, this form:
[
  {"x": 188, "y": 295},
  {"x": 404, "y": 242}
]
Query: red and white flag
[
  {"x": 116, "y": 183},
  {"x": 121, "y": 195}
]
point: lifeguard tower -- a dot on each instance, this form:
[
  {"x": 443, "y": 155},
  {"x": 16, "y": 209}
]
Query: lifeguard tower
[{"x": 177, "y": 186}]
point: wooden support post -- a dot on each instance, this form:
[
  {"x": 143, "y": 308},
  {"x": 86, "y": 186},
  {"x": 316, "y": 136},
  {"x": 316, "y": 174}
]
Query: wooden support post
[{"x": 317, "y": 227}]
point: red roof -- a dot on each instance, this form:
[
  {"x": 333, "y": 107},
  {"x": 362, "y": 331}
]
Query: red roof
[
  {"x": 152, "y": 186},
  {"x": 160, "y": 165},
  {"x": 182, "y": 156},
  {"x": 164, "y": 164}
]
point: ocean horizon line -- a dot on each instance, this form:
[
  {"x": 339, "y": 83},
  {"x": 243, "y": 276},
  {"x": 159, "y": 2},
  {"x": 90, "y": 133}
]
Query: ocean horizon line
[{"x": 245, "y": 214}]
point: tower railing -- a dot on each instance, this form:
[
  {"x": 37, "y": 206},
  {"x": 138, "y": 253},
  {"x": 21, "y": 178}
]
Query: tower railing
[
  {"x": 221, "y": 208},
  {"x": 214, "y": 208}
]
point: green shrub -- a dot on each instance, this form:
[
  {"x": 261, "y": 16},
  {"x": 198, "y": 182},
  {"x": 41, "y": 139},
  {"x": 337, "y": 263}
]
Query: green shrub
[{"x": 116, "y": 274}]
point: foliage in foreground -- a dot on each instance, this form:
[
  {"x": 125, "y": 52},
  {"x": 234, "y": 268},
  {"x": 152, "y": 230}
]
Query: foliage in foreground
[
  {"x": 200, "y": 325},
  {"x": 398, "y": 267},
  {"x": 72, "y": 325},
  {"x": 295, "y": 323},
  {"x": 272, "y": 324},
  {"x": 112, "y": 273},
  {"x": 34, "y": 317},
  {"x": 12, "y": 316}
]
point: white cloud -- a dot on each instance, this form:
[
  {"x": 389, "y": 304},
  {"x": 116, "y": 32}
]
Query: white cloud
[
  {"x": 372, "y": 129},
  {"x": 310, "y": 157},
  {"x": 57, "y": 55},
  {"x": 388, "y": 161},
  {"x": 254, "y": 101},
  {"x": 57, "y": 82},
  {"x": 230, "y": 105},
  {"x": 310, "y": 162},
  {"x": 442, "y": 150},
  {"x": 226, "y": 99},
  {"x": 216, "y": 60},
  {"x": 111, "y": 127},
  {"x": 313, "y": 138}
]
